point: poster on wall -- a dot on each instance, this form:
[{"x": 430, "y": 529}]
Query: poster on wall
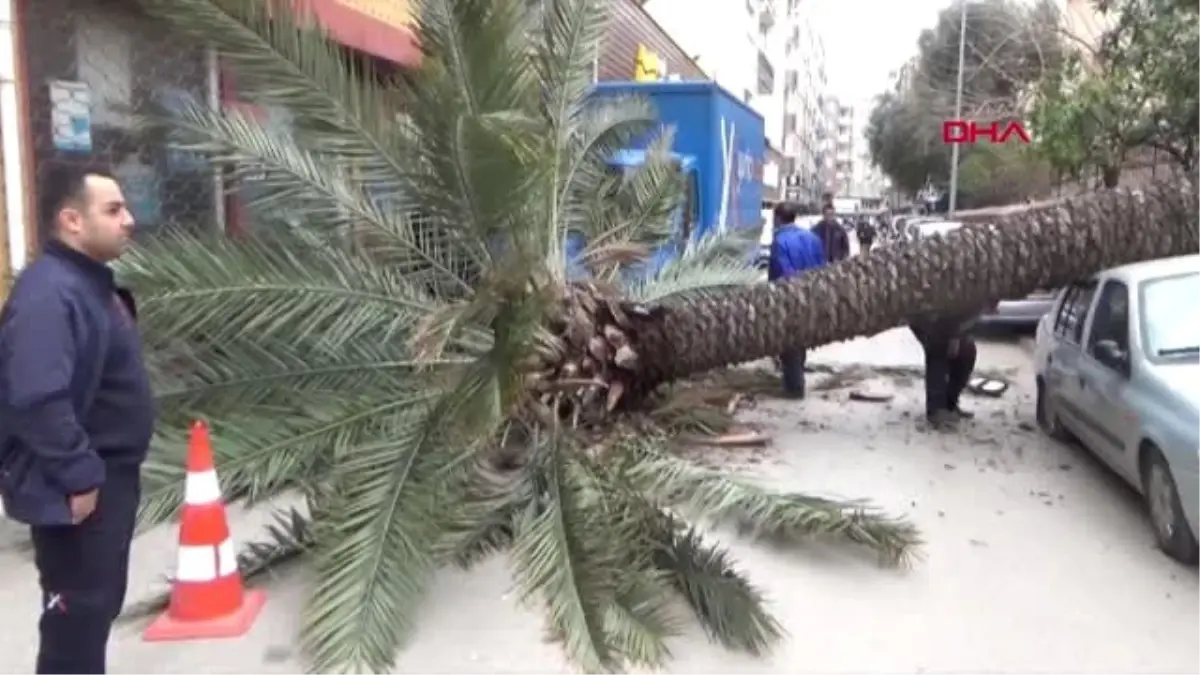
[{"x": 71, "y": 116}]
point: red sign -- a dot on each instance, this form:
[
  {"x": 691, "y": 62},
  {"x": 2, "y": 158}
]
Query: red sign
[{"x": 969, "y": 132}]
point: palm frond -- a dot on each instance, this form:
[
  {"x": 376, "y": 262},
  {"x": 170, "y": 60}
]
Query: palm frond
[
  {"x": 273, "y": 285},
  {"x": 727, "y": 605},
  {"x": 284, "y": 61},
  {"x": 561, "y": 555},
  {"x": 715, "y": 261},
  {"x": 781, "y": 516},
  {"x": 263, "y": 450},
  {"x": 374, "y": 549},
  {"x": 641, "y": 617}
]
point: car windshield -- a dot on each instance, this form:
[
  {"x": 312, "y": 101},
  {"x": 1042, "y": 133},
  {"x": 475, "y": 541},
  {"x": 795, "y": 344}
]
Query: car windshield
[{"x": 1170, "y": 317}]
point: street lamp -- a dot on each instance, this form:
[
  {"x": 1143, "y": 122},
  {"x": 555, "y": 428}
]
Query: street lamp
[{"x": 958, "y": 96}]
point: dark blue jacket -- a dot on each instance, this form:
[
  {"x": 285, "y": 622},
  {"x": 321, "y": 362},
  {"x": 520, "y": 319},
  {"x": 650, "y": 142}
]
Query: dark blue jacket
[
  {"x": 834, "y": 240},
  {"x": 793, "y": 250},
  {"x": 74, "y": 392}
]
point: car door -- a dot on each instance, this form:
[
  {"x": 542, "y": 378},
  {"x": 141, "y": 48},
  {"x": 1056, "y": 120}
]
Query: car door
[
  {"x": 1104, "y": 385},
  {"x": 1062, "y": 363}
]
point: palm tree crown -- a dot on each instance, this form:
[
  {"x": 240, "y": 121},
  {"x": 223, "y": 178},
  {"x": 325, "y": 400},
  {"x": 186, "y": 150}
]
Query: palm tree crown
[{"x": 378, "y": 343}]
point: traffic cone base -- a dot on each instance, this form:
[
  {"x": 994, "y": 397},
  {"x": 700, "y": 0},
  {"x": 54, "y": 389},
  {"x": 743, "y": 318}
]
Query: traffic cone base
[{"x": 165, "y": 628}]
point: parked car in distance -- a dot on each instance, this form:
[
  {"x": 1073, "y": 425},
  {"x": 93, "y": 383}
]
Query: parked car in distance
[
  {"x": 1020, "y": 313},
  {"x": 1118, "y": 368}
]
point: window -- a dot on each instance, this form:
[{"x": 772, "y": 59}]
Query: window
[
  {"x": 766, "y": 75},
  {"x": 1111, "y": 321},
  {"x": 1073, "y": 312},
  {"x": 789, "y": 122},
  {"x": 1170, "y": 318}
]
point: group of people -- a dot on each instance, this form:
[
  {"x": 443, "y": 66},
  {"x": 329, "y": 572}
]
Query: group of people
[{"x": 949, "y": 349}]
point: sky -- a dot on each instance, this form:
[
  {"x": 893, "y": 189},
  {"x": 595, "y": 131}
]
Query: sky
[{"x": 865, "y": 40}]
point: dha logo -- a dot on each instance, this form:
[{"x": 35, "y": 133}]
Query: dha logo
[{"x": 956, "y": 132}]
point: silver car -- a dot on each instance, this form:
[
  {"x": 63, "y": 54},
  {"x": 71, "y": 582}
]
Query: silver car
[{"x": 1118, "y": 368}]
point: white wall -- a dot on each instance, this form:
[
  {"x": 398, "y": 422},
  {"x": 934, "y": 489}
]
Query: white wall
[{"x": 723, "y": 37}]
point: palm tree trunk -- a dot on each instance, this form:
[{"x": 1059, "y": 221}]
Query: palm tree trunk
[{"x": 1040, "y": 246}]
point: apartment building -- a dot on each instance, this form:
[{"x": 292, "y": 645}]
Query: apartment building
[
  {"x": 841, "y": 116},
  {"x": 736, "y": 43},
  {"x": 804, "y": 86}
]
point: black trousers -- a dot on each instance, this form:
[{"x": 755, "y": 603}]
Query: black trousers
[
  {"x": 792, "y": 364},
  {"x": 946, "y": 376},
  {"x": 84, "y": 571}
]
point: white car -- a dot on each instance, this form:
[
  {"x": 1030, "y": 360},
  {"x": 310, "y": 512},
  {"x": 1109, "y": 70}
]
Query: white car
[{"x": 1118, "y": 368}]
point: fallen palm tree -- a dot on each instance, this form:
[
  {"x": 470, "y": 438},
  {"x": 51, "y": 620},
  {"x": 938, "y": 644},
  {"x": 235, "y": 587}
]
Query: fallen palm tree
[{"x": 438, "y": 391}]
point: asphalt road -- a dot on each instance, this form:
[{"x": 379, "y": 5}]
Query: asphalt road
[{"x": 1037, "y": 558}]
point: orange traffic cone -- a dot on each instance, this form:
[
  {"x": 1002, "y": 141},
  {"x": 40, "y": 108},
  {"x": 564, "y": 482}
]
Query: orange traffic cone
[{"x": 207, "y": 596}]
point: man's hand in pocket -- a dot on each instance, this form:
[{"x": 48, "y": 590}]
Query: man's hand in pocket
[{"x": 82, "y": 505}]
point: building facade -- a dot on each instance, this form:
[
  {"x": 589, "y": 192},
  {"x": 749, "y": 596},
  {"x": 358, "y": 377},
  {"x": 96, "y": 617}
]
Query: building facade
[
  {"x": 82, "y": 74},
  {"x": 738, "y": 44},
  {"x": 79, "y": 74},
  {"x": 630, "y": 28},
  {"x": 804, "y": 86}
]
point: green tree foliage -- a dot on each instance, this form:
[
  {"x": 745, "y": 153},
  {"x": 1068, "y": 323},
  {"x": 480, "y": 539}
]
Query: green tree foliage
[
  {"x": 1009, "y": 45},
  {"x": 377, "y": 364},
  {"x": 1136, "y": 89},
  {"x": 905, "y": 141},
  {"x": 992, "y": 175}
]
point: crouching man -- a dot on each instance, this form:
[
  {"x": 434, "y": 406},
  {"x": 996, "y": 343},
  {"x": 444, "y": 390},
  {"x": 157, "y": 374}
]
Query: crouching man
[
  {"x": 949, "y": 362},
  {"x": 794, "y": 249},
  {"x": 77, "y": 416}
]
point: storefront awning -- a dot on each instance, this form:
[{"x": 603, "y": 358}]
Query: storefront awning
[{"x": 378, "y": 27}]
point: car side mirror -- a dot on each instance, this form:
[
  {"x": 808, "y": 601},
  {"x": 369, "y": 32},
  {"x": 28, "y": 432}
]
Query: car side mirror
[{"x": 1108, "y": 353}]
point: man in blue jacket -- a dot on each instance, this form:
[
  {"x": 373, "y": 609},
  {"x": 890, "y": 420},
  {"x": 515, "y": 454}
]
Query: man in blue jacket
[
  {"x": 793, "y": 250},
  {"x": 77, "y": 416}
]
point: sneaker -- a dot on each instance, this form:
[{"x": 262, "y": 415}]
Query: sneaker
[
  {"x": 942, "y": 420},
  {"x": 962, "y": 414}
]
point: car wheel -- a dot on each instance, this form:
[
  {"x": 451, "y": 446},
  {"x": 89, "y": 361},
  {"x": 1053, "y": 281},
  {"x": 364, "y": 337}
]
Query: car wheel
[
  {"x": 1166, "y": 512},
  {"x": 1046, "y": 417}
]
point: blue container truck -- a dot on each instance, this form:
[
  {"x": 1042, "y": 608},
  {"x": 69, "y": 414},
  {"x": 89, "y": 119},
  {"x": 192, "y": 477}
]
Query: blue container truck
[{"x": 719, "y": 144}]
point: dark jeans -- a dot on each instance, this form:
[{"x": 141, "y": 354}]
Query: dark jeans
[
  {"x": 792, "y": 364},
  {"x": 946, "y": 376},
  {"x": 84, "y": 570}
]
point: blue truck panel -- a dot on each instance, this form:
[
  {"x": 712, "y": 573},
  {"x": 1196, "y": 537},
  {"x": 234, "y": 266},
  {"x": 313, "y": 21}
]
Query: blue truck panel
[{"x": 724, "y": 138}]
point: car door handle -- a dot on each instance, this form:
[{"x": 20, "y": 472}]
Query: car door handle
[{"x": 1083, "y": 382}]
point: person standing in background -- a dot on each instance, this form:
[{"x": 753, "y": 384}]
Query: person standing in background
[
  {"x": 834, "y": 240},
  {"x": 77, "y": 416},
  {"x": 865, "y": 231},
  {"x": 793, "y": 250}
]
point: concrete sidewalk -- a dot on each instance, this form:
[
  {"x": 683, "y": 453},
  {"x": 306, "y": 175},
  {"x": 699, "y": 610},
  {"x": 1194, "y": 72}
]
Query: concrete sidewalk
[{"x": 1037, "y": 560}]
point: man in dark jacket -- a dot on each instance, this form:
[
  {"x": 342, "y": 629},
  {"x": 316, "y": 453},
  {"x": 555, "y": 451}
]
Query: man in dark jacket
[
  {"x": 949, "y": 361},
  {"x": 865, "y": 231},
  {"x": 793, "y": 250},
  {"x": 834, "y": 239},
  {"x": 77, "y": 416}
]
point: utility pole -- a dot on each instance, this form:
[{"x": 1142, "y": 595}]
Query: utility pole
[{"x": 958, "y": 95}]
